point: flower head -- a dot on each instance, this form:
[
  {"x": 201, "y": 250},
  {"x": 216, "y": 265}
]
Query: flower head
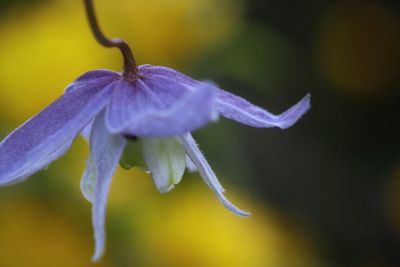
[
  {"x": 160, "y": 108},
  {"x": 157, "y": 106}
]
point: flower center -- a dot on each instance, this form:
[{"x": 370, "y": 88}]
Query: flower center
[{"x": 132, "y": 138}]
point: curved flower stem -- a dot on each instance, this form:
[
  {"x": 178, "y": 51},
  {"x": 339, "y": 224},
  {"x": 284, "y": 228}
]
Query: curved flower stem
[{"x": 130, "y": 66}]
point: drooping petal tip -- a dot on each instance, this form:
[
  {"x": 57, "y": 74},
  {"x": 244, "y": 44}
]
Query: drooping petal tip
[
  {"x": 238, "y": 109},
  {"x": 227, "y": 204},
  {"x": 293, "y": 114},
  {"x": 235, "y": 209}
]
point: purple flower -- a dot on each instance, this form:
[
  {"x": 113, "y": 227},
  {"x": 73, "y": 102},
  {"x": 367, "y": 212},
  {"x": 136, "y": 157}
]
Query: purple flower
[
  {"x": 160, "y": 107},
  {"x": 156, "y": 106}
]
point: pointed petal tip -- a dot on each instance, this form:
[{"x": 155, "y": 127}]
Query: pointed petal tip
[
  {"x": 94, "y": 259},
  {"x": 99, "y": 249},
  {"x": 239, "y": 212},
  {"x": 293, "y": 114},
  {"x": 245, "y": 214},
  {"x": 238, "y": 109},
  {"x": 97, "y": 256},
  {"x": 306, "y": 101},
  {"x": 232, "y": 207}
]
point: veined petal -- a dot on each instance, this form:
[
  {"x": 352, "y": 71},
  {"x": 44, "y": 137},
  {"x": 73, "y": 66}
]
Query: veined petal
[
  {"x": 46, "y": 136},
  {"x": 168, "y": 74},
  {"x": 86, "y": 131},
  {"x": 94, "y": 77},
  {"x": 242, "y": 111},
  {"x": 235, "y": 107},
  {"x": 207, "y": 173},
  {"x": 165, "y": 159},
  {"x": 145, "y": 108},
  {"x": 89, "y": 179},
  {"x": 105, "y": 152}
]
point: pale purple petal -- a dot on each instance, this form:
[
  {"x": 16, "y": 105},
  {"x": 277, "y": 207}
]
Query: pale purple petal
[
  {"x": 105, "y": 152},
  {"x": 89, "y": 180},
  {"x": 152, "y": 107},
  {"x": 94, "y": 77},
  {"x": 190, "y": 166},
  {"x": 232, "y": 106},
  {"x": 169, "y": 74},
  {"x": 46, "y": 136},
  {"x": 242, "y": 111},
  {"x": 207, "y": 173},
  {"x": 86, "y": 131}
]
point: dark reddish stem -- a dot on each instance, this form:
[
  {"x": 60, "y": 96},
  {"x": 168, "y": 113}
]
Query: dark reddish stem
[{"x": 130, "y": 66}]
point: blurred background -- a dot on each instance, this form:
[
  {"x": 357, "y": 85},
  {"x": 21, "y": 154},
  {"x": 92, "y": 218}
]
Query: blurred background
[{"x": 325, "y": 192}]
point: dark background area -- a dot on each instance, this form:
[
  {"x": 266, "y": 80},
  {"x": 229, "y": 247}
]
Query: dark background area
[{"x": 336, "y": 167}]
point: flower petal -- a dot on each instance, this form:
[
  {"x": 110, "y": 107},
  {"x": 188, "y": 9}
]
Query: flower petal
[
  {"x": 93, "y": 77},
  {"x": 168, "y": 74},
  {"x": 105, "y": 152},
  {"x": 86, "y": 131},
  {"x": 232, "y": 106},
  {"x": 46, "y": 136},
  {"x": 242, "y": 111},
  {"x": 154, "y": 108},
  {"x": 165, "y": 159},
  {"x": 190, "y": 166},
  {"x": 89, "y": 179},
  {"x": 207, "y": 173}
]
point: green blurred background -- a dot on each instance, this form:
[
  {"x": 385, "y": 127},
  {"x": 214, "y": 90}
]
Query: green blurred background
[{"x": 325, "y": 192}]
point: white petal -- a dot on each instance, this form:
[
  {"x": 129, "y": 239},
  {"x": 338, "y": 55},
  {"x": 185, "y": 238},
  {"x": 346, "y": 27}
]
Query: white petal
[{"x": 165, "y": 159}]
